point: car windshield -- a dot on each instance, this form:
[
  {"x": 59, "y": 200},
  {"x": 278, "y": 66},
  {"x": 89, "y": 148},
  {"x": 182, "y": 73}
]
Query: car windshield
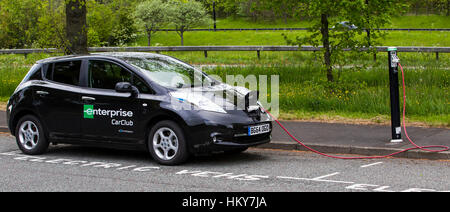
[{"x": 169, "y": 72}]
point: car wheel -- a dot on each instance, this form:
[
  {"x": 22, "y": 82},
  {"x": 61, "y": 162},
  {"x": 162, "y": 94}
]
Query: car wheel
[
  {"x": 167, "y": 144},
  {"x": 30, "y": 136}
]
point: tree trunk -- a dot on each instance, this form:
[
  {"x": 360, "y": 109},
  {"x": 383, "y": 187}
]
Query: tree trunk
[
  {"x": 76, "y": 28},
  {"x": 326, "y": 45},
  {"x": 149, "y": 37},
  {"x": 369, "y": 41},
  {"x": 182, "y": 37},
  {"x": 369, "y": 44}
]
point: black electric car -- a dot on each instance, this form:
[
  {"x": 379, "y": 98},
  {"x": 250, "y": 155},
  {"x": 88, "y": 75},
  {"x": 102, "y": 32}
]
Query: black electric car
[{"x": 134, "y": 101}]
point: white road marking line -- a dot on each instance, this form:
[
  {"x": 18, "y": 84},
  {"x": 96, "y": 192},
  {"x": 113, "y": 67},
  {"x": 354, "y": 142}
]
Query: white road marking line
[
  {"x": 11, "y": 153},
  {"x": 314, "y": 179},
  {"x": 372, "y": 164},
  {"x": 325, "y": 176}
]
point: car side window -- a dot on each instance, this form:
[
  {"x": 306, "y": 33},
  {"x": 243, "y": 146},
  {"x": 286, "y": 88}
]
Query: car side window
[
  {"x": 65, "y": 72},
  {"x": 141, "y": 85},
  {"x": 37, "y": 75},
  {"x": 106, "y": 75}
]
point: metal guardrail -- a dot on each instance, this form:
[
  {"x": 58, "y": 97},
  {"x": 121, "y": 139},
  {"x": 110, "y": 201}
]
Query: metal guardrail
[
  {"x": 205, "y": 49},
  {"x": 298, "y": 29}
]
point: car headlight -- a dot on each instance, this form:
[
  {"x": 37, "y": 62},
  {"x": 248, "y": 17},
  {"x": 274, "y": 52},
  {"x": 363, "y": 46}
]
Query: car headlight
[
  {"x": 208, "y": 105},
  {"x": 199, "y": 101}
]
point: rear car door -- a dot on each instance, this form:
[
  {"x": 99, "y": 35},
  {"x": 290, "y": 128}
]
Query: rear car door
[
  {"x": 57, "y": 99},
  {"x": 109, "y": 116}
]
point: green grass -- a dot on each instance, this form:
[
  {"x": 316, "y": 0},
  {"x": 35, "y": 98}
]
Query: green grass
[
  {"x": 393, "y": 38},
  {"x": 303, "y": 58},
  {"x": 420, "y": 21},
  {"x": 13, "y": 68},
  {"x": 406, "y": 21}
]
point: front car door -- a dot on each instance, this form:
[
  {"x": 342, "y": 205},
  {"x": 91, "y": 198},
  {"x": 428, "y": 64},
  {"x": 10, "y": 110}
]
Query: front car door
[{"x": 109, "y": 116}]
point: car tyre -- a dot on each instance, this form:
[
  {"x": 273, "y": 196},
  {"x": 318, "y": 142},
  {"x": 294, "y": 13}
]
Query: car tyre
[
  {"x": 167, "y": 143},
  {"x": 30, "y": 136}
]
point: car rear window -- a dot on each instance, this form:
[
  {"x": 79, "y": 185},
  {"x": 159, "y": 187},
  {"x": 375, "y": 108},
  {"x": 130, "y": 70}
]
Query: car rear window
[{"x": 65, "y": 72}]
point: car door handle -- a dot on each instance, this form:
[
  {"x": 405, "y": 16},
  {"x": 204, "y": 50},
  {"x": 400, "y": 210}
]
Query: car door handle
[
  {"x": 87, "y": 98},
  {"x": 42, "y": 92}
]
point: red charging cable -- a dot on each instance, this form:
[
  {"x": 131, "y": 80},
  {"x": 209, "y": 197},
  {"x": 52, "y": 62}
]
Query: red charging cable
[{"x": 425, "y": 148}]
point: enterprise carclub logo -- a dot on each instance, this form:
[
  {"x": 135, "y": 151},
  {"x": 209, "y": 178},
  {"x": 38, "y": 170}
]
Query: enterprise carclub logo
[{"x": 88, "y": 111}]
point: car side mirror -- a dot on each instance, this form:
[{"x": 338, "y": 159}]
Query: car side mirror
[{"x": 126, "y": 87}]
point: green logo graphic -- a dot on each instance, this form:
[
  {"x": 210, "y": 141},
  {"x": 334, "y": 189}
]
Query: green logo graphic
[{"x": 88, "y": 111}]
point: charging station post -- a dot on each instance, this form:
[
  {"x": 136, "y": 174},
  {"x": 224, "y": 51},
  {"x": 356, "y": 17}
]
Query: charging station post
[{"x": 394, "y": 94}]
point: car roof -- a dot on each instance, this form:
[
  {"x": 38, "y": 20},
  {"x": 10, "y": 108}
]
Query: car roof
[{"x": 114, "y": 55}]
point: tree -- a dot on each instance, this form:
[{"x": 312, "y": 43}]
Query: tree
[
  {"x": 76, "y": 28},
  {"x": 321, "y": 12},
  {"x": 369, "y": 15},
  {"x": 153, "y": 15},
  {"x": 17, "y": 23},
  {"x": 51, "y": 25},
  {"x": 100, "y": 20},
  {"x": 334, "y": 38},
  {"x": 186, "y": 15},
  {"x": 110, "y": 22}
]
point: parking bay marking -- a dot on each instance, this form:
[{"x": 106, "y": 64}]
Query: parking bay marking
[
  {"x": 81, "y": 163},
  {"x": 318, "y": 179},
  {"x": 208, "y": 174},
  {"x": 372, "y": 164}
]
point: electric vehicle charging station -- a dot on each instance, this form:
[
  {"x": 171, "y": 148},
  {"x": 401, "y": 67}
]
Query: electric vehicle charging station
[
  {"x": 394, "y": 95},
  {"x": 394, "y": 64}
]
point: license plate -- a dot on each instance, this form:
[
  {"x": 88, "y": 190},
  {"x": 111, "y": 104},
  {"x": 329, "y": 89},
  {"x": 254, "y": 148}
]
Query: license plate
[{"x": 260, "y": 129}]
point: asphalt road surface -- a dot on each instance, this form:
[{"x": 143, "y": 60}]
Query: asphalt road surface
[{"x": 75, "y": 168}]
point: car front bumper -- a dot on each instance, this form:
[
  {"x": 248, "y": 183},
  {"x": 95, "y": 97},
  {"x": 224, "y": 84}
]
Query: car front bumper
[{"x": 221, "y": 132}]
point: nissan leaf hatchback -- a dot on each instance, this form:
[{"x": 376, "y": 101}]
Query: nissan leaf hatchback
[{"x": 134, "y": 101}]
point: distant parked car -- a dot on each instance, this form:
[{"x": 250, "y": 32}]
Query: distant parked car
[{"x": 344, "y": 25}]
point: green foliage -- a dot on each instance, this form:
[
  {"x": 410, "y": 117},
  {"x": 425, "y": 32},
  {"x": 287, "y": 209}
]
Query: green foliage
[
  {"x": 186, "y": 14},
  {"x": 110, "y": 23},
  {"x": 17, "y": 23},
  {"x": 152, "y": 15},
  {"x": 41, "y": 23},
  {"x": 51, "y": 25},
  {"x": 224, "y": 8},
  {"x": 326, "y": 30},
  {"x": 99, "y": 22},
  {"x": 440, "y": 7}
]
